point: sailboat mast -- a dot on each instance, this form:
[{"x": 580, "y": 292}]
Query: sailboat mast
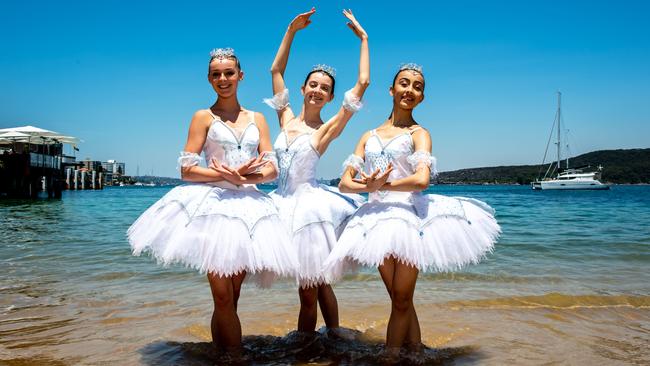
[{"x": 559, "y": 128}]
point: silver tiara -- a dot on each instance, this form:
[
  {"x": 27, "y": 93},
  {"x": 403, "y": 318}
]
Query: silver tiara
[
  {"x": 411, "y": 66},
  {"x": 329, "y": 70},
  {"x": 222, "y": 53}
]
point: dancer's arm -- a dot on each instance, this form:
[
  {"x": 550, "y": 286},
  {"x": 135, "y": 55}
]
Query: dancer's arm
[
  {"x": 195, "y": 139},
  {"x": 419, "y": 180},
  {"x": 269, "y": 171},
  {"x": 334, "y": 127},
  {"x": 280, "y": 64},
  {"x": 348, "y": 183}
]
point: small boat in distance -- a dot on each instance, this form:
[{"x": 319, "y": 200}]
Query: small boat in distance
[
  {"x": 571, "y": 179},
  {"x": 566, "y": 178}
]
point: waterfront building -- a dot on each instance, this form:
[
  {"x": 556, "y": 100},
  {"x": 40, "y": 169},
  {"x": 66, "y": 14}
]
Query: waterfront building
[
  {"x": 113, "y": 172},
  {"x": 32, "y": 159}
]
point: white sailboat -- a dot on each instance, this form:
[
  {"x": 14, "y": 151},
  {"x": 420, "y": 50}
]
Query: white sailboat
[{"x": 566, "y": 178}]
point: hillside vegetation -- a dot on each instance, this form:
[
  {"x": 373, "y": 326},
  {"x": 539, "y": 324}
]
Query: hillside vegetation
[{"x": 629, "y": 166}]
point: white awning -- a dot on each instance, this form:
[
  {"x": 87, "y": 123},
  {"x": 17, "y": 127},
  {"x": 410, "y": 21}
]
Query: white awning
[
  {"x": 34, "y": 131},
  {"x": 14, "y": 135},
  {"x": 36, "y": 135}
]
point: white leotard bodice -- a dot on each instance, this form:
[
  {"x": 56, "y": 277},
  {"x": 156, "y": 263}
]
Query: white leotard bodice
[
  {"x": 297, "y": 160},
  {"x": 399, "y": 151},
  {"x": 230, "y": 147}
]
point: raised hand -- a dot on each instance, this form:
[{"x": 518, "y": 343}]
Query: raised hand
[
  {"x": 301, "y": 21},
  {"x": 252, "y": 165},
  {"x": 354, "y": 24}
]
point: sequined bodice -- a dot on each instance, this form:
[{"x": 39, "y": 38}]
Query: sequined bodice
[
  {"x": 379, "y": 153},
  {"x": 297, "y": 160},
  {"x": 230, "y": 147}
]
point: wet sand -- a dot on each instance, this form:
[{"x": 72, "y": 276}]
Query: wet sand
[{"x": 170, "y": 326}]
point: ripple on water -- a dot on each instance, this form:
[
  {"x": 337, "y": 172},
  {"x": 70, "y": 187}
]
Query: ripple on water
[
  {"x": 36, "y": 360},
  {"x": 41, "y": 326},
  {"x": 557, "y": 301}
]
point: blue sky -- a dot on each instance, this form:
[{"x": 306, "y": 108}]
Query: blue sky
[{"x": 127, "y": 76}]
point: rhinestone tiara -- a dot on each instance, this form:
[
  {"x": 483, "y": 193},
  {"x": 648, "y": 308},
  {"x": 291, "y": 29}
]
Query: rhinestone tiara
[
  {"x": 329, "y": 70},
  {"x": 411, "y": 66},
  {"x": 221, "y": 53}
]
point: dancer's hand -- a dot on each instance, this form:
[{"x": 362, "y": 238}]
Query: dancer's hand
[
  {"x": 365, "y": 177},
  {"x": 380, "y": 179},
  {"x": 253, "y": 165},
  {"x": 376, "y": 180},
  {"x": 354, "y": 24},
  {"x": 301, "y": 21},
  {"x": 229, "y": 174}
]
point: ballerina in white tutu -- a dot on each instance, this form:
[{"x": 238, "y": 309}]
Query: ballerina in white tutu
[
  {"x": 221, "y": 224},
  {"x": 314, "y": 214},
  {"x": 400, "y": 230}
]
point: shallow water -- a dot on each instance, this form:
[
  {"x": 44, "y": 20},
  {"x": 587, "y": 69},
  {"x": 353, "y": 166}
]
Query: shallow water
[{"x": 568, "y": 283}]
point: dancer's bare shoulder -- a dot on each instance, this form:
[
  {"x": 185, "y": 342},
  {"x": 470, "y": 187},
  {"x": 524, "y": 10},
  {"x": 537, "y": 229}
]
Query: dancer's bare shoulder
[
  {"x": 202, "y": 119},
  {"x": 366, "y": 135},
  {"x": 259, "y": 119},
  {"x": 421, "y": 138}
]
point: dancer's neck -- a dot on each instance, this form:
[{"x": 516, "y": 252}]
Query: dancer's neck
[
  {"x": 311, "y": 116},
  {"x": 401, "y": 118},
  {"x": 228, "y": 105}
]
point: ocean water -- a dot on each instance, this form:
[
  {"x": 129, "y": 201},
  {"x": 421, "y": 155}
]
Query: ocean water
[{"x": 568, "y": 283}]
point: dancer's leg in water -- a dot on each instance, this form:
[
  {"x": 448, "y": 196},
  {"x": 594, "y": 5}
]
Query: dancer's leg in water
[
  {"x": 308, "y": 309},
  {"x": 310, "y": 298},
  {"x": 402, "y": 324},
  {"x": 329, "y": 307},
  {"x": 413, "y": 337},
  {"x": 236, "y": 287},
  {"x": 225, "y": 325}
]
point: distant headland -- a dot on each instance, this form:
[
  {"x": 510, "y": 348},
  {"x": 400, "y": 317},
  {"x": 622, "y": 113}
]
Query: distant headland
[{"x": 623, "y": 166}]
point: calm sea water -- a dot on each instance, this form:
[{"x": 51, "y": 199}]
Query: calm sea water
[{"x": 569, "y": 282}]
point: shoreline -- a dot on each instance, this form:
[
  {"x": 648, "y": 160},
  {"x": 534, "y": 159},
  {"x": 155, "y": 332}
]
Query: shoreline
[{"x": 571, "y": 293}]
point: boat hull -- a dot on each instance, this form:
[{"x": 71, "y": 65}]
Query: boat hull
[{"x": 568, "y": 185}]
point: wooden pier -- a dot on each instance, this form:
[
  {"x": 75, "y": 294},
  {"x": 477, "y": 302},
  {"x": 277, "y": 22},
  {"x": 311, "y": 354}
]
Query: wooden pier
[{"x": 32, "y": 161}]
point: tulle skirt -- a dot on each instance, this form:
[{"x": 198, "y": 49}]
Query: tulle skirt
[
  {"x": 430, "y": 232},
  {"x": 218, "y": 230},
  {"x": 314, "y": 215}
]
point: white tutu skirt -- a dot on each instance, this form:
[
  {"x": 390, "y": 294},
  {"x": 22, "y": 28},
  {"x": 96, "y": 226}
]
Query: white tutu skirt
[
  {"x": 218, "y": 230},
  {"x": 314, "y": 216},
  {"x": 431, "y": 232}
]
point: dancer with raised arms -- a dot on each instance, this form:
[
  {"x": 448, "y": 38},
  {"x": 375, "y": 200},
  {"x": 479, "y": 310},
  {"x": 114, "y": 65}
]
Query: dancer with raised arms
[{"x": 314, "y": 214}]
